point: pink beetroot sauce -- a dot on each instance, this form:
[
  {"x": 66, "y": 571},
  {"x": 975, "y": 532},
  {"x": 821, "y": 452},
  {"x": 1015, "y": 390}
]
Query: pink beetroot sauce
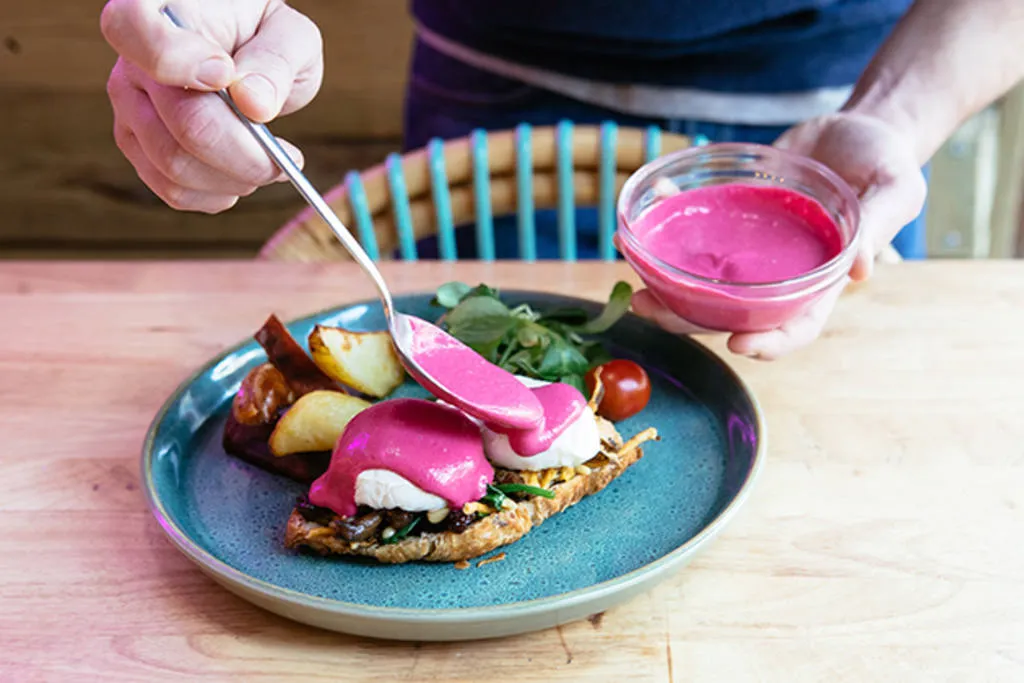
[
  {"x": 562, "y": 405},
  {"x": 740, "y": 233},
  {"x": 469, "y": 381},
  {"x": 434, "y": 446}
]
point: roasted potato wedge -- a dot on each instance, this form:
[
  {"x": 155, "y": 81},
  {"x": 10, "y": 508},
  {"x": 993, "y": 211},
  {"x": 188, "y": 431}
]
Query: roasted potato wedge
[
  {"x": 291, "y": 360},
  {"x": 315, "y": 422},
  {"x": 365, "y": 361}
]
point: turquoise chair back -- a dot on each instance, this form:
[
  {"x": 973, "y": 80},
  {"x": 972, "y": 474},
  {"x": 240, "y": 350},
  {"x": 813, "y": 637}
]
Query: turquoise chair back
[{"x": 478, "y": 180}]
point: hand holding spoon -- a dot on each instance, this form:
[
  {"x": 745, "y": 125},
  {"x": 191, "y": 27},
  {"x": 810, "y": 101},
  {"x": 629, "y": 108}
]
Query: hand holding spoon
[{"x": 456, "y": 373}]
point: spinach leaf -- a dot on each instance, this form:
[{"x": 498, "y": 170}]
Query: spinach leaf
[
  {"x": 479, "y": 320},
  {"x": 562, "y": 359}
]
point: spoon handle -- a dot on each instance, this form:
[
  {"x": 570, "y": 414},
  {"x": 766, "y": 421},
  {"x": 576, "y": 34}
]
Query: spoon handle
[{"x": 305, "y": 188}]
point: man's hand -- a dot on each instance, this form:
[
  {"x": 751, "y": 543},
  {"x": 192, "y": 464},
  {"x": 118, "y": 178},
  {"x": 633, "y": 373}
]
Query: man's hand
[
  {"x": 185, "y": 144},
  {"x": 880, "y": 166},
  {"x": 945, "y": 61}
]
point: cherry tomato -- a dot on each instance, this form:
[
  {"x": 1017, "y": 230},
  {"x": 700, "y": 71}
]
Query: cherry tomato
[{"x": 627, "y": 389}]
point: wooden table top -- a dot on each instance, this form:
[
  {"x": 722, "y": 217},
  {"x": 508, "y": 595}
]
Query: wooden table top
[{"x": 881, "y": 543}]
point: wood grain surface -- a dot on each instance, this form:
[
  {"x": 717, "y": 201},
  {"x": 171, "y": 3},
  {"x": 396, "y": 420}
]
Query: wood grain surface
[{"x": 882, "y": 542}]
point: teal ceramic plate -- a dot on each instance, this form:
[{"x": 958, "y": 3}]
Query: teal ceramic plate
[{"x": 229, "y": 517}]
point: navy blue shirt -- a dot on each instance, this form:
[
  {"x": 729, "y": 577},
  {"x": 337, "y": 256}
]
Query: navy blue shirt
[{"x": 765, "y": 46}]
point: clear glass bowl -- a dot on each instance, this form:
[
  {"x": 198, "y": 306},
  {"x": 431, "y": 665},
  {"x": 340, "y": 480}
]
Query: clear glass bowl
[{"x": 724, "y": 305}]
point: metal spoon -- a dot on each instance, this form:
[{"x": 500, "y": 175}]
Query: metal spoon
[{"x": 400, "y": 325}]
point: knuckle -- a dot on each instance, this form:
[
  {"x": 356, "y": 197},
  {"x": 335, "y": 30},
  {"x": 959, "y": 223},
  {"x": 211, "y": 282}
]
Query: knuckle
[
  {"x": 196, "y": 126},
  {"x": 256, "y": 174},
  {"x": 176, "y": 196},
  {"x": 164, "y": 66},
  {"x": 302, "y": 27},
  {"x": 112, "y": 17},
  {"x": 199, "y": 130},
  {"x": 121, "y": 140},
  {"x": 219, "y": 205},
  {"x": 117, "y": 81},
  {"x": 114, "y": 84},
  {"x": 314, "y": 37},
  {"x": 178, "y": 165}
]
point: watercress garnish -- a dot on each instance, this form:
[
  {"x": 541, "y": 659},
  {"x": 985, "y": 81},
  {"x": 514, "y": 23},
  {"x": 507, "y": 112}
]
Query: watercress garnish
[{"x": 547, "y": 345}]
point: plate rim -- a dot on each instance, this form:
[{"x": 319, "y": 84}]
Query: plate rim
[{"x": 223, "y": 571}]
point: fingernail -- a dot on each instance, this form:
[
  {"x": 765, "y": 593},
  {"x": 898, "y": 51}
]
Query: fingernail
[
  {"x": 262, "y": 90},
  {"x": 214, "y": 73}
]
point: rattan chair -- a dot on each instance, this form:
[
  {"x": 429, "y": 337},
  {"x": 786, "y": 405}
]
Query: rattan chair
[{"x": 473, "y": 180}]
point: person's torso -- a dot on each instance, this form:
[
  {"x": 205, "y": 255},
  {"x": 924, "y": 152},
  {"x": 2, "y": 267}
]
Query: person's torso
[{"x": 725, "y": 45}]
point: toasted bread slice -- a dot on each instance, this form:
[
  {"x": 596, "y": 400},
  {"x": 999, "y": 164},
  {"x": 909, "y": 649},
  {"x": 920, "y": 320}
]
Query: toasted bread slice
[{"x": 493, "y": 531}]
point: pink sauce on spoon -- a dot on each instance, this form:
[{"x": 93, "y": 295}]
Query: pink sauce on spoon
[
  {"x": 434, "y": 447},
  {"x": 562, "y": 405},
  {"x": 469, "y": 381}
]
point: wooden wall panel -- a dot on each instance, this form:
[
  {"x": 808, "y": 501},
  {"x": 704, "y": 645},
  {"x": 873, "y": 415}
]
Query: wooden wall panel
[{"x": 66, "y": 189}]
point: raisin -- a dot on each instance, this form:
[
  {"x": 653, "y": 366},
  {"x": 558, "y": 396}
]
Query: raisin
[{"x": 458, "y": 521}]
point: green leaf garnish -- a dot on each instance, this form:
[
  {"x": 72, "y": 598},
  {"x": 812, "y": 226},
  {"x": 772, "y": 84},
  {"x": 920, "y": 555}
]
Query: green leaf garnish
[
  {"x": 485, "y": 291},
  {"x": 404, "y": 531},
  {"x": 561, "y": 359},
  {"x": 528, "y": 336},
  {"x": 596, "y": 353},
  {"x": 546, "y": 345},
  {"x": 494, "y": 497},
  {"x": 575, "y": 381},
  {"x": 524, "y": 488},
  {"x": 618, "y": 304},
  {"x": 450, "y": 294},
  {"x": 479, "y": 320}
]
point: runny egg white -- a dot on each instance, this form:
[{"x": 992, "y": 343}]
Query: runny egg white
[
  {"x": 580, "y": 442},
  {"x": 385, "y": 490}
]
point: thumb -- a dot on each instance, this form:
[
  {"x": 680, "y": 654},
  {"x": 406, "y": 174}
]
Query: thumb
[
  {"x": 172, "y": 56},
  {"x": 884, "y": 210},
  {"x": 281, "y": 67}
]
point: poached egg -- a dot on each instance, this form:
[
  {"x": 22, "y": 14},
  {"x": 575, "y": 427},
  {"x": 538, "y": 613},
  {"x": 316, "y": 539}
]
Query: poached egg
[
  {"x": 385, "y": 490},
  {"x": 580, "y": 442}
]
